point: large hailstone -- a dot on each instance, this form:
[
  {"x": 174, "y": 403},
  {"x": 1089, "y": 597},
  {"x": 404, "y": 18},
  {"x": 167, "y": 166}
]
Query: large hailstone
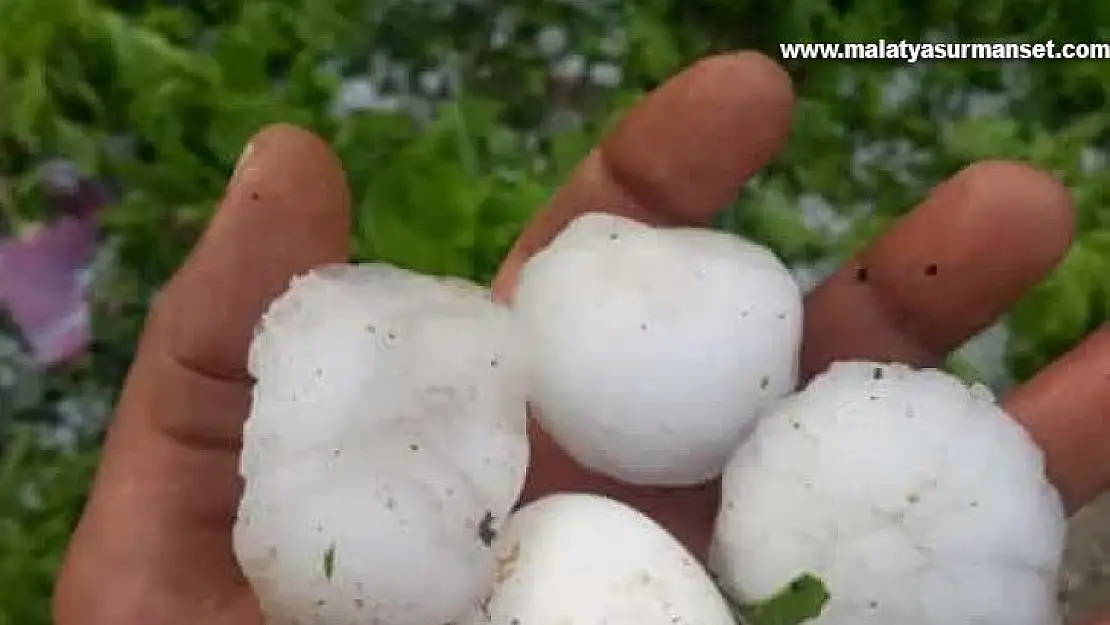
[
  {"x": 385, "y": 446},
  {"x": 584, "y": 559},
  {"x": 654, "y": 349},
  {"x": 915, "y": 499}
]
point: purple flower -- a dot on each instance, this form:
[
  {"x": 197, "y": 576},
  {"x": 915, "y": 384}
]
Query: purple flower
[{"x": 41, "y": 287}]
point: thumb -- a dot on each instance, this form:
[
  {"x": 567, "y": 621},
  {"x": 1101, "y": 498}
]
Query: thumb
[{"x": 286, "y": 210}]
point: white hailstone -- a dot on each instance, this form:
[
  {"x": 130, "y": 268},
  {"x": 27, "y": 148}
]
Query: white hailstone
[
  {"x": 432, "y": 81},
  {"x": 913, "y": 498},
  {"x": 655, "y": 349},
  {"x": 606, "y": 74},
  {"x": 571, "y": 67},
  {"x": 361, "y": 94},
  {"x": 386, "y": 444},
  {"x": 551, "y": 41},
  {"x": 577, "y": 558}
]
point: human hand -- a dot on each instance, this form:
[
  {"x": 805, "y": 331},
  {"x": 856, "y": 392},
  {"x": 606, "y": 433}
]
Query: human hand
[{"x": 154, "y": 544}]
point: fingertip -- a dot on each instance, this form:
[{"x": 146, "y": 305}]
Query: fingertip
[
  {"x": 685, "y": 151},
  {"x": 773, "y": 82},
  {"x": 678, "y": 157},
  {"x": 1024, "y": 195},
  {"x": 764, "y": 77},
  {"x": 286, "y": 209},
  {"x": 762, "y": 87},
  {"x": 287, "y": 142}
]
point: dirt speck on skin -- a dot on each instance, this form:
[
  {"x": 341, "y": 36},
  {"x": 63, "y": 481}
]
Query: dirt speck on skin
[{"x": 1086, "y": 580}]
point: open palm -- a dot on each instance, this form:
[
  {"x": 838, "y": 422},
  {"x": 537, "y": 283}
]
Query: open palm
[{"x": 154, "y": 544}]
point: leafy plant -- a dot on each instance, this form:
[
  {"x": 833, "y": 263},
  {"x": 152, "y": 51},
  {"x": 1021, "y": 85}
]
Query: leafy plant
[{"x": 456, "y": 119}]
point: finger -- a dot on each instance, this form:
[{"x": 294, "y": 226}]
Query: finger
[
  {"x": 945, "y": 272},
  {"x": 285, "y": 211},
  {"x": 165, "y": 492},
  {"x": 1066, "y": 409},
  {"x": 181, "y": 415},
  {"x": 679, "y": 156}
]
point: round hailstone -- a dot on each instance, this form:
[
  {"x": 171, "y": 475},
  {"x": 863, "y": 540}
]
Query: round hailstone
[
  {"x": 386, "y": 444},
  {"x": 913, "y": 498},
  {"x": 577, "y": 558},
  {"x": 654, "y": 349}
]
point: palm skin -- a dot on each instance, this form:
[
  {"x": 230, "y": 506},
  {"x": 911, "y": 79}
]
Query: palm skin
[{"x": 154, "y": 544}]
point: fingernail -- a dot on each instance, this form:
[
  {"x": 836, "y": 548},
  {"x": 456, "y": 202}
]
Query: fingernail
[{"x": 244, "y": 159}]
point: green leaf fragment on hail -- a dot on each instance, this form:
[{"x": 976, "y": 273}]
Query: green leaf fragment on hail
[
  {"x": 329, "y": 561},
  {"x": 799, "y": 601}
]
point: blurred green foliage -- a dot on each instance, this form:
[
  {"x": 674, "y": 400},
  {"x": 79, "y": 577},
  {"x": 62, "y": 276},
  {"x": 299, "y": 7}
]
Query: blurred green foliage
[{"x": 478, "y": 110}]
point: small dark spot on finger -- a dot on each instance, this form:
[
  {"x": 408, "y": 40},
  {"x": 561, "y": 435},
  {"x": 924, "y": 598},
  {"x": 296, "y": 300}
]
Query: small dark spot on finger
[
  {"x": 861, "y": 274},
  {"x": 255, "y": 195},
  {"x": 931, "y": 270}
]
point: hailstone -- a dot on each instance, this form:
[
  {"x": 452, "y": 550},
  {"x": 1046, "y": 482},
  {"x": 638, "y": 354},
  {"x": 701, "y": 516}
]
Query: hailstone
[
  {"x": 914, "y": 498},
  {"x": 385, "y": 446},
  {"x": 655, "y": 349}
]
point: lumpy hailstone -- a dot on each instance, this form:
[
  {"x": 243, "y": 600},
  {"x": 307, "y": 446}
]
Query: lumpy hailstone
[
  {"x": 386, "y": 444},
  {"x": 576, "y": 559},
  {"x": 655, "y": 348},
  {"x": 916, "y": 499}
]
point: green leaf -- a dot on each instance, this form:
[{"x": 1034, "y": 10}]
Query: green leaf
[{"x": 801, "y": 600}]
